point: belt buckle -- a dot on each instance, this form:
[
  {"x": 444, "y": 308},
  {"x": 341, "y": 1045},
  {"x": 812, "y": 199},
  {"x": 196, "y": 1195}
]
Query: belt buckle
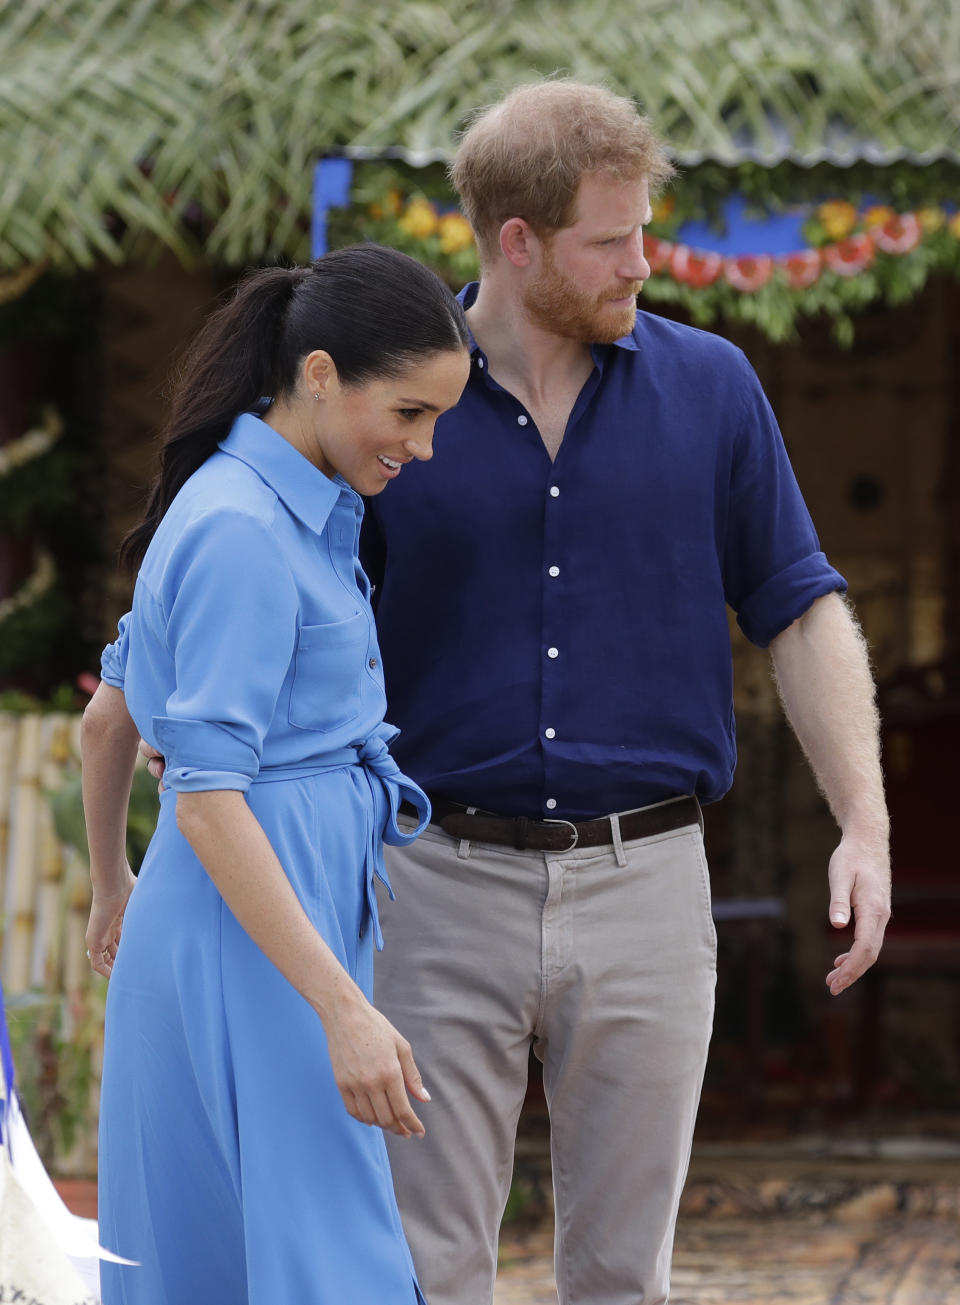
[{"x": 570, "y": 825}]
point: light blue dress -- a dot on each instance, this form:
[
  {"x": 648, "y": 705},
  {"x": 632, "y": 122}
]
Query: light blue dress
[{"x": 229, "y": 1166}]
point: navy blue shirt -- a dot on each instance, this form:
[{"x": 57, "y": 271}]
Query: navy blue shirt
[{"x": 554, "y": 635}]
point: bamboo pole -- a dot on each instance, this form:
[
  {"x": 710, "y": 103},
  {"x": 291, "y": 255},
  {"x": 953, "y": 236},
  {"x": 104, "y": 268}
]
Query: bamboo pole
[
  {"x": 77, "y": 894},
  {"x": 45, "y": 899},
  {"x": 19, "y": 909},
  {"x": 46, "y": 969},
  {"x": 76, "y": 975},
  {"x": 8, "y": 744}
]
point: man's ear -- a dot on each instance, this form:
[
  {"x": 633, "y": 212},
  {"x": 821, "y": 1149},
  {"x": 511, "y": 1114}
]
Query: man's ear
[{"x": 518, "y": 241}]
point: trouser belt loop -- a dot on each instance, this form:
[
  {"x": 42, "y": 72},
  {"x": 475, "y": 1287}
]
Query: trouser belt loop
[
  {"x": 520, "y": 832},
  {"x": 463, "y": 848},
  {"x": 617, "y": 840}
]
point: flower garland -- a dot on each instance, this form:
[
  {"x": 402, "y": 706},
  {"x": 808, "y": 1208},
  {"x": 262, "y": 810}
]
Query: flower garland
[
  {"x": 437, "y": 234},
  {"x": 14, "y": 285},
  {"x": 850, "y": 256},
  {"x": 843, "y": 241},
  {"x": 33, "y": 588},
  {"x": 33, "y": 443}
]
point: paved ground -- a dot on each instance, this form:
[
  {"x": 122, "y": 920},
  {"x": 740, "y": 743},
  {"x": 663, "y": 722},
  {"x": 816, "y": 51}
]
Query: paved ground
[
  {"x": 780, "y": 1226},
  {"x": 799, "y": 1260},
  {"x": 797, "y": 1225}
]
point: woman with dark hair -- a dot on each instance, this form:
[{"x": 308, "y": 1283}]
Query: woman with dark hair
[{"x": 238, "y": 1020}]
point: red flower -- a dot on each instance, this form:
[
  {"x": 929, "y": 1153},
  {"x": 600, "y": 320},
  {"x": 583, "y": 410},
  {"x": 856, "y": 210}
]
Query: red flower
[
  {"x": 696, "y": 267},
  {"x": 748, "y": 272},
  {"x": 849, "y": 257},
  {"x": 657, "y": 252},
  {"x": 899, "y": 235},
  {"x": 802, "y": 268}
]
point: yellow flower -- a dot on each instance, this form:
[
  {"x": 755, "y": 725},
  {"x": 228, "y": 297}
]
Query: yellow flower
[
  {"x": 878, "y": 215},
  {"x": 419, "y": 220},
  {"x": 838, "y": 218},
  {"x": 931, "y": 219},
  {"x": 455, "y": 233},
  {"x": 954, "y": 225},
  {"x": 391, "y": 205}
]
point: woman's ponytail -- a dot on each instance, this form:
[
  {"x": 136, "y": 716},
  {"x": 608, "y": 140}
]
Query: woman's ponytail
[
  {"x": 230, "y": 366},
  {"x": 375, "y": 311}
]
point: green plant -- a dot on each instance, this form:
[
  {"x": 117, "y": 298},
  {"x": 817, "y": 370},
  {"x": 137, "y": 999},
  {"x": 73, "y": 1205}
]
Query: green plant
[
  {"x": 63, "y": 698},
  {"x": 53, "y": 1039},
  {"x": 66, "y": 804}
]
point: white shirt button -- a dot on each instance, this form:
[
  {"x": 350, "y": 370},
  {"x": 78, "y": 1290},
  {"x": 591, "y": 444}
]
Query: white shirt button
[
  {"x": 551, "y": 804},
  {"x": 479, "y": 362},
  {"x": 554, "y": 571},
  {"x": 521, "y": 420},
  {"x": 553, "y": 652},
  {"x": 550, "y": 732},
  {"x": 554, "y": 491}
]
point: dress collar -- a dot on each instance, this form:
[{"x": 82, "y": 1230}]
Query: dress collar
[{"x": 307, "y": 492}]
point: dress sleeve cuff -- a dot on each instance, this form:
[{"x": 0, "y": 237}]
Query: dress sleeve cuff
[
  {"x": 202, "y": 756},
  {"x": 113, "y": 659},
  {"x": 785, "y": 597}
]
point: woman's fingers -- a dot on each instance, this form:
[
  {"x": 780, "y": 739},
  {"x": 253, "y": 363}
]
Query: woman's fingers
[
  {"x": 382, "y": 1100},
  {"x": 411, "y": 1075},
  {"x": 357, "y": 1106},
  {"x": 105, "y": 926},
  {"x": 386, "y": 1113},
  {"x": 374, "y": 1069},
  {"x": 403, "y": 1112},
  {"x": 101, "y": 962}
]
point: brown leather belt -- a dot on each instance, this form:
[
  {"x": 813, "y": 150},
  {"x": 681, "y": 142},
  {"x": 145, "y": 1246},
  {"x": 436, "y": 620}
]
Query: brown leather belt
[{"x": 560, "y": 835}]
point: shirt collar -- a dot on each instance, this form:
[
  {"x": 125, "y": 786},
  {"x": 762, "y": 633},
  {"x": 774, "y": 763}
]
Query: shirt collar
[
  {"x": 631, "y": 342},
  {"x": 305, "y": 490}
]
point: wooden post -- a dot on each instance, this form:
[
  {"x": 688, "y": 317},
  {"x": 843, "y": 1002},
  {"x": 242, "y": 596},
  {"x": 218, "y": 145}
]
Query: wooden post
[{"x": 951, "y": 484}]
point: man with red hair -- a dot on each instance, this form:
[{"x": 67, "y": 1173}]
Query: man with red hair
[{"x": 551, "y": 604}]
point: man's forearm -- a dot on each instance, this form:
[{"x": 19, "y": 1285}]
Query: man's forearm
[{"x": 823, "y": 674}]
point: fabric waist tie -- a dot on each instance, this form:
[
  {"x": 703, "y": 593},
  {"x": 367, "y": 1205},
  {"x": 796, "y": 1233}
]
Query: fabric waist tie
[{"x": 389, "y": 787}]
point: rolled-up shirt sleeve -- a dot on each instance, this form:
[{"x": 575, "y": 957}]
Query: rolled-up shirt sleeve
[
  {"x": 113, "y": 659},
  {"x": 231, "y": 609},
  {"x": 773, "y": 565}
]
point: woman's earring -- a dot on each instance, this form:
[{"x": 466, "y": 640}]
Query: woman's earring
[{"x": 317, "y": 396}]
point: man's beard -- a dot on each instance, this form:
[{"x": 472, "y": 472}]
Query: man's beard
[{"x": 557, "y": 303}]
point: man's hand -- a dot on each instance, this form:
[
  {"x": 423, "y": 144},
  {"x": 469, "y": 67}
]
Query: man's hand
[
  {"x": 823, "y": 674},
  {"x": 155, "y": 762},
  {"x": 859, "y": 877}
]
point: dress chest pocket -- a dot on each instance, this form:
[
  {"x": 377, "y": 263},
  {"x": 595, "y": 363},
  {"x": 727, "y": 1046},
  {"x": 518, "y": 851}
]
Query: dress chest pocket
[{"x": 328, "y": 678}]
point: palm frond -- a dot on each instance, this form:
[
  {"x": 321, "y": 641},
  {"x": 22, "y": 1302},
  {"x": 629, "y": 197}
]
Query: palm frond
[{"x": 117, "y": 117}]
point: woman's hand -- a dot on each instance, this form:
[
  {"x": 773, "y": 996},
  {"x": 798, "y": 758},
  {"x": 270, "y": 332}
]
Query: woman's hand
[
  {"x": 372, "y": 1064},
  {"x": 374, "y": 1069},
  {"x": 106, "y": 919},
  {"x": 156, "y": 763}
]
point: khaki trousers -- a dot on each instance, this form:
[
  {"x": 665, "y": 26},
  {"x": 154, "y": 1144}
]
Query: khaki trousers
[{"x": 604, "y": 960}]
